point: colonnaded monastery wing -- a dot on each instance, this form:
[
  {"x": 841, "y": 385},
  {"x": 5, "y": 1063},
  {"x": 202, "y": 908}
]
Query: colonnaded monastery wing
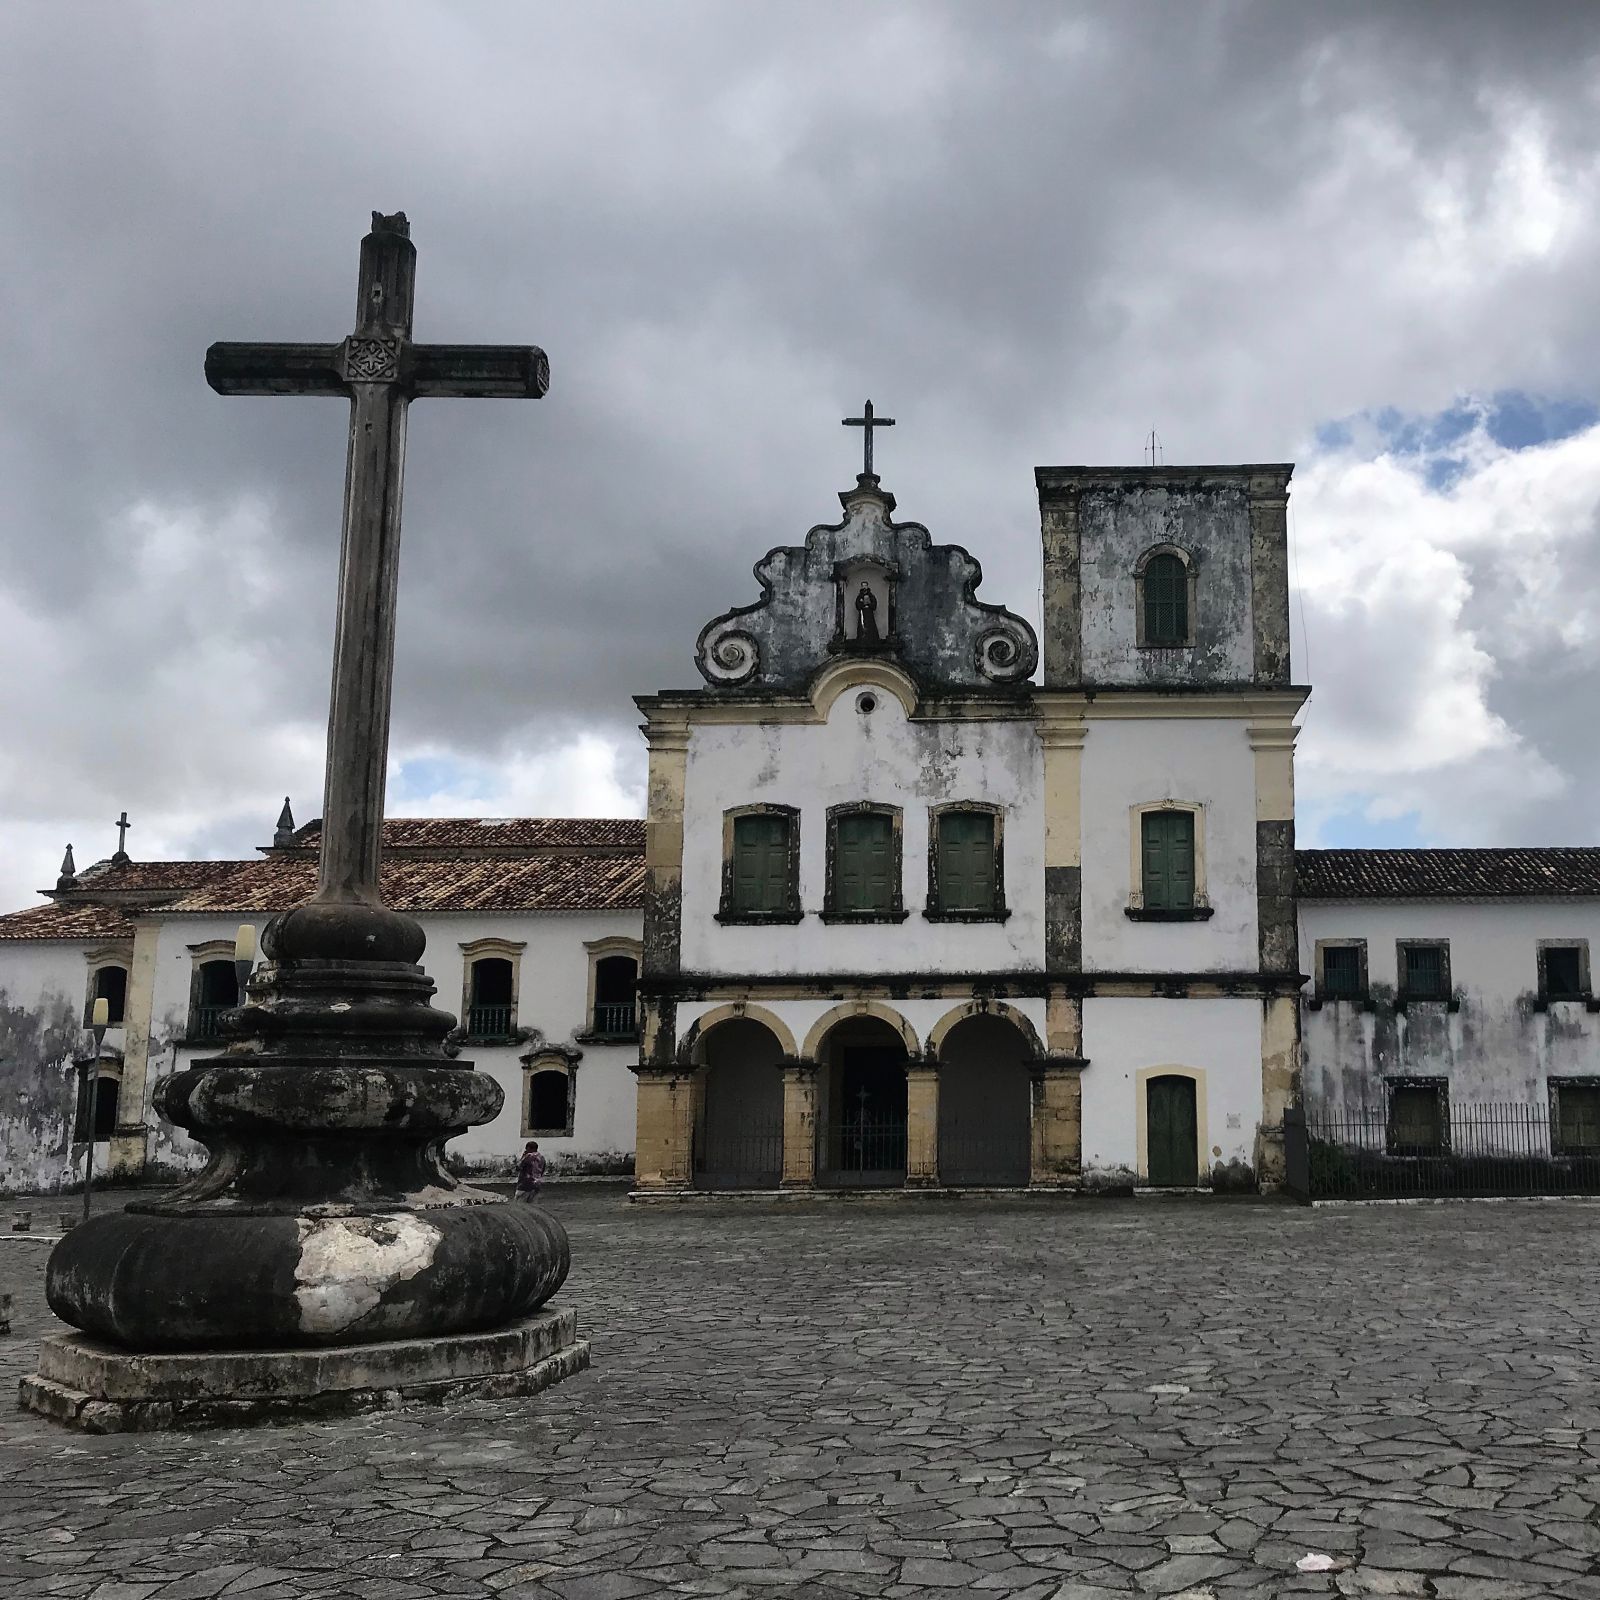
[{"x": 907, "y": 911}]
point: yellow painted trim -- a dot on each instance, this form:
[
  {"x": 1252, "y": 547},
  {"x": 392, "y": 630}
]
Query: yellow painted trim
[
  {"x": 692, "y": 1051},
  {"x": 1264, "y": 705},
  {"x": 860, "y": 1008},
  {"x": 983, "y": 1007},
  {"x": 1202, "y": 1130},
  {"x": 1273, "y": 744},
  {"x": 1136, "y": 816}
]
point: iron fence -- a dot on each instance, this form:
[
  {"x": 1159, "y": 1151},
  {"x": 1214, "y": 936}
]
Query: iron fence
[
  {"x": 1498, "y": 1149},
  {"x": 871, "y": 1143},
  {"x": 489, "y": 1022},
  {"x": 615, "y": 1020},
  {"x": 983, "y": 1155},
  {"x": 208, "y": 1022},
  {"x": 747, "y": 1157}
]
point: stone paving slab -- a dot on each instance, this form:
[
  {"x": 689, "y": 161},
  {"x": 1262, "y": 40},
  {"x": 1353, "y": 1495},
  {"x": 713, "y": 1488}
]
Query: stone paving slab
[{"x": 995, "y": 1398}]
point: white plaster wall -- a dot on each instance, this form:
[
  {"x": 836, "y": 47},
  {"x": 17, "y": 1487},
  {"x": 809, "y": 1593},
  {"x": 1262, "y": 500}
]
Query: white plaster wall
[
  {"x": 1120, "y": 1036},
  {"x": 1204, "y": 761},
  {"x": 552, "y": 996},
  {"x": 882, "y": 757},
  {"x": 43, "y": 984},
  {"x": 1495, "y": 1048}
]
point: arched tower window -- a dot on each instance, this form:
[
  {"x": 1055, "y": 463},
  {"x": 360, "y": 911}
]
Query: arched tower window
[{"x": 1164, "y": 581}]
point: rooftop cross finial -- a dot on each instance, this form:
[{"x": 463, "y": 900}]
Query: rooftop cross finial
[
  {"x": 867, "y": 422},
  {"x": 283, "y": 834},
  {"x": 69, "y": 872},
  {"x": 122, "y": 838}
]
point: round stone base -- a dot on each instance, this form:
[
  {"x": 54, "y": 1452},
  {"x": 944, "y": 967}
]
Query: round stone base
[{"x": 100, "y": 1388}]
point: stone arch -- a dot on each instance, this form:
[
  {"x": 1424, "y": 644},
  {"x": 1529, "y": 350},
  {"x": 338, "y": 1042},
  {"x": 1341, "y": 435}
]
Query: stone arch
[
  {"x": 983, "y": 1007},
  {"x": 839, "y": 676},
  {"x": 691, "y": 1048},
  {"x": 852, "y": 1010}
]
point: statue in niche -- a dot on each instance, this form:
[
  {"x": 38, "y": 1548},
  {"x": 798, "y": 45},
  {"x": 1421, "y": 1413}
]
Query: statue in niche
[{"x": 867, "y": 615}]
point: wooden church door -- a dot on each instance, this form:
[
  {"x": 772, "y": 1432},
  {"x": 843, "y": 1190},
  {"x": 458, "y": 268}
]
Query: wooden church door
[{"x": 1172, "y": 1133}]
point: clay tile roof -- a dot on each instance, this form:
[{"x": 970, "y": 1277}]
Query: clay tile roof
[
  {"x": 494, "y": 833},
  {"x": 494, "y": 883},
  {"x": 146, "y": 877},
  {"x": 67, "y": 922},
  {"x": 1446, "y": 874}
]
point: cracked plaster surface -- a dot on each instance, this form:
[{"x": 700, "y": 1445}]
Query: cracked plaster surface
[{"x": 1064, "y": 1401}]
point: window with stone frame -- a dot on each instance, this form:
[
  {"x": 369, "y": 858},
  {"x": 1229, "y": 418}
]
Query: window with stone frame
[
  {"x": 966, "y": 872},
  {"x": 863, "y": 864},
  {"x": 1342, "y": 969},
  {"x": 1166, "y": 841},
  {"x": 491, "y": 1002},
  {"x": 1419, "y": 1117},
  {"x": 761, "y": 864},
  {"x": 1423, "y": 966},
  {"x": 1166, "y": 602},
  {"x": 108, "y": 983},
  {"x": 215, "y": 990},
  {"x": 1575, "y": 1116},
  {"x": 1564, "y": 969},
  {"x": 549, "y": 1103},
  {"x": 616, "y": 989}
]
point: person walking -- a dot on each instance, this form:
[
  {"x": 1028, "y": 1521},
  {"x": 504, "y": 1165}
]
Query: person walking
[{"x": 530, "y": 1172}]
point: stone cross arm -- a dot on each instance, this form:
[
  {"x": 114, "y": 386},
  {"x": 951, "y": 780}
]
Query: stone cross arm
[{"x": 422, "y": 371}]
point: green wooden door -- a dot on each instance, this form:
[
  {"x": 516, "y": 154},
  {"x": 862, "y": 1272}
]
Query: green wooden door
[
  {"x": 1168, "y": 841},
  {"x": 966, "y": 862},
  {"x": 1170, "y": 1121},
  {"x": 761, "y": 863}
]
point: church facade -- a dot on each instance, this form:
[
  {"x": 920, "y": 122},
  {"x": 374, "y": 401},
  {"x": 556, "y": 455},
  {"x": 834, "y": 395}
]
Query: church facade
[{"x": 922, "y": 900}]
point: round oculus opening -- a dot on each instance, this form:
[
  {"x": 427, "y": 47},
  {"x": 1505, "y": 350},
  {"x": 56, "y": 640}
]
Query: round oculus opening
[{"x": 866, "y": 704}]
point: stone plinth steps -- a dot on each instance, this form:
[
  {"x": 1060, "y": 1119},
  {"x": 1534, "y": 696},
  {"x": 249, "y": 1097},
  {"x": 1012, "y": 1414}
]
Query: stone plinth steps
[{"x": 100, "y": 1388}]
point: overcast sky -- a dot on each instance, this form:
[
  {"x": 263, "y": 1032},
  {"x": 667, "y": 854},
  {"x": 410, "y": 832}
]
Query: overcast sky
[{"x": 1363, "y": 238}]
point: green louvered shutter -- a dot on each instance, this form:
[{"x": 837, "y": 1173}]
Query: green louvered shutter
[
  {"x": 966, "y": 861},
  {"x": 760, "y": 863},
  {"x": 863, "y": 865},
  {"x": 1166, "y": 602},
  {"x": 1168, "y": 848}
]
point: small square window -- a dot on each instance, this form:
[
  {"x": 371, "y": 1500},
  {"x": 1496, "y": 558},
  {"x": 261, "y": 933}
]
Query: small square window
[
  {"x": 1562, "y": 974},
  {"x": 1576, "y": 1117},
  {"x": 1425, "y": 971},
  {"x": 1417, "y": 1119},
  {"x": 1341, "y": 972}
]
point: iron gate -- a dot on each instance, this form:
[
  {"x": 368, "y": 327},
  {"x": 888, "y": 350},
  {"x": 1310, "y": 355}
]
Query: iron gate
[{"x": 747, "y": 1156}]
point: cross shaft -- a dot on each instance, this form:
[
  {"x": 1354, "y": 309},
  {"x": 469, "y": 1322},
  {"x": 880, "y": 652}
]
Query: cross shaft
[
  {"x": 867, "y": 422},
  {"x": 380, "y": 371}
]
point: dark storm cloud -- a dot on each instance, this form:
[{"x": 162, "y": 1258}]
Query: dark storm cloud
[{"x": 1030, "y": 232}]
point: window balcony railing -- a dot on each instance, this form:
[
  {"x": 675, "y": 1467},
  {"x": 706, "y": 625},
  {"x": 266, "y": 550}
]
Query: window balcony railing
[
  {"x": 489, "y": 1022},
  {"x": 207, "y": 1022},
  {"x": 616, "y": 1020}
]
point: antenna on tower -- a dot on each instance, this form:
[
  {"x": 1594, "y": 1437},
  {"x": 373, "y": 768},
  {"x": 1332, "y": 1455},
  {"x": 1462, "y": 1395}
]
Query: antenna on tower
[{"x": 1154, "y": 453}]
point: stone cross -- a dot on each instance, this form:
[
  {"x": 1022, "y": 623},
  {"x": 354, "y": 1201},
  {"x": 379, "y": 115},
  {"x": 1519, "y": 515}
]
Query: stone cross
[
  {"x": 380, "y": 371},
  {"x": 868, "y": 422},
  {"x": 122, "y": 836}
]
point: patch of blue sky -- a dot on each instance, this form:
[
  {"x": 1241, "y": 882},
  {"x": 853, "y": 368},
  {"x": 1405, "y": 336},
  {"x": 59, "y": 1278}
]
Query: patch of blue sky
[
  {"x": 423, "y": 776},
  {"x": 1355, "y": 829},
  {"x": 1512, "y": 418}
]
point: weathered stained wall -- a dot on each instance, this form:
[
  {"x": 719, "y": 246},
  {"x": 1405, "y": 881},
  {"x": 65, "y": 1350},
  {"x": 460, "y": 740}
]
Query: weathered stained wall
[
  {"x": 1496, "y": 1047},
  {"x": 884, "y": 757},
  {"x": 42, "y": 990},
  {"x": 1204, "y": 761}
]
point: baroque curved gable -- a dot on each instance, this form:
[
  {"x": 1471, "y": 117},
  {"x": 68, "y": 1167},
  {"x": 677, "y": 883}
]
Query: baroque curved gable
[{"x": 867, "y": 586}]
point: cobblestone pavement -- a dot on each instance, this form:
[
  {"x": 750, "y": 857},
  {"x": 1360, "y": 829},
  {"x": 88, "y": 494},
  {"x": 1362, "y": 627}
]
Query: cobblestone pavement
[{"x": 1071, "y": 1400}]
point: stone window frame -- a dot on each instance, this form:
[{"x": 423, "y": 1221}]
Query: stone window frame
[
  {"x": 1554, "y": 1086},
  {"x": 933, "y": 911},
  {"x": 97, "y": 960},
  {"x": 831, "y": 911},
  {"x": 1135, "y": 911},
  {"x": 792, "y": 911},
  {"x": 1440, "y": 1086},
  {"x": 1585, "y": 995},
  {"x": 1402, "y": 999},
  {"x": 1191, "y": 571},
  {"x": 548, "y": 1058},
  {"x": 202, "y": 955},
  {"x": 490, "y": 948},
  {"x": 1319, "y": 995},
  {"x": 612, "y": 944}
]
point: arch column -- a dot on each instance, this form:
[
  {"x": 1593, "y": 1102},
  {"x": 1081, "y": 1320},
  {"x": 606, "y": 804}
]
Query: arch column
[
  {"x": 1057, "y": 1086},
  {"x": 799, "y": 1123},
  {"x": 922, "y": 1125},
  {"x": 664, "y": 1138}
]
